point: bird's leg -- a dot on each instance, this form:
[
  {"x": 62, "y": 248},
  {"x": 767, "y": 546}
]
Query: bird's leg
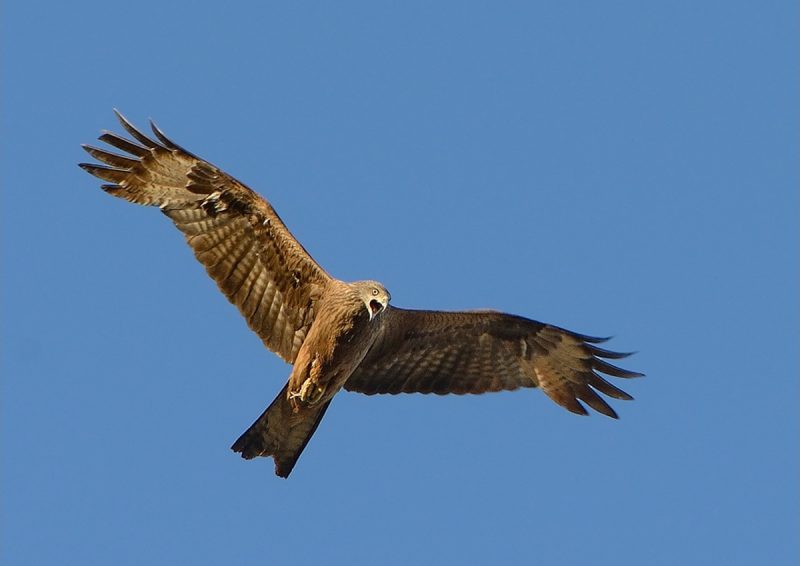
[{"x": 309, "y": 391}]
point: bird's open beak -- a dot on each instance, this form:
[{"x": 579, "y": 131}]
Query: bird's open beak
[{"x": 375, "y": 308}]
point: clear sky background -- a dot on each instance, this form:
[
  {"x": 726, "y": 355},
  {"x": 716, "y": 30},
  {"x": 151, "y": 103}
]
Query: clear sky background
[{"x": 617, "y": 168}]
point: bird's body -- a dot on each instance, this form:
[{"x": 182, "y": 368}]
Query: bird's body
[
  {"x": 338, "y": 340},
  {"x": 335, "y": 345},
  {"x": 337, "y": 334}
]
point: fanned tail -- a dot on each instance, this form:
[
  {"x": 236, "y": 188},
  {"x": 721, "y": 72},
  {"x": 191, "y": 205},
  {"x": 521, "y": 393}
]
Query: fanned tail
[{"x": 281, "y": 433}]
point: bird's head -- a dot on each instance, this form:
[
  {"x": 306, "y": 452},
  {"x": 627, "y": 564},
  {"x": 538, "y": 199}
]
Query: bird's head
[{"x": 375, "y": 296}]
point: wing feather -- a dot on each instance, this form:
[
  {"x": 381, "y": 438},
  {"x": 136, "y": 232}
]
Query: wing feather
[
  {"x": 110, "y": 158},
  {"x": 234, "y": 233},
  {"x": 477, "y": 352},
  {"x": 128, "y": 146}
]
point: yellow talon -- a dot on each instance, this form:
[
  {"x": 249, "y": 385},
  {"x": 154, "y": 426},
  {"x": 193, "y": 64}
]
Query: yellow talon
[{"x": 309, "y": 393}]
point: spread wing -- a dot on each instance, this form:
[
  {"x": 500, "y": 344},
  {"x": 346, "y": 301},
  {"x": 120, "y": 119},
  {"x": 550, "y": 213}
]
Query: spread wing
[
  {"x": 235, "y": 234},
  {"x": 477, "y": 352}
]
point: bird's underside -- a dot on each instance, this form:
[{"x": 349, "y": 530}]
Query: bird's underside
[{"x": 336, "y": 334}]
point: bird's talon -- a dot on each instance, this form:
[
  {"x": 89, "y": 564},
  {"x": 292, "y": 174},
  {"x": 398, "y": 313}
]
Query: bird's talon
[{"x": 309, "y": 393}]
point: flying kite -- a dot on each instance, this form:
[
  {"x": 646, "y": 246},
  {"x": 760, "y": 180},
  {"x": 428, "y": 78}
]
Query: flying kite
[{"x": 338, "y": 334}]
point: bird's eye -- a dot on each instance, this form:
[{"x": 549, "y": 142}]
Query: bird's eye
[{"x": 375, "y": 292}]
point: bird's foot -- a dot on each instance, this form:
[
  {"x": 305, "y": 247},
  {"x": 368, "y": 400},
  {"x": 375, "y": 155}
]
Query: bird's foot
[{"x": 309, "y": 394}]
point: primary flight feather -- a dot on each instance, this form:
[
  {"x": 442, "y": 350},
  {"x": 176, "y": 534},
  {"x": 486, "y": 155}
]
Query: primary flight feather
[{"x": 338, "y": 334}]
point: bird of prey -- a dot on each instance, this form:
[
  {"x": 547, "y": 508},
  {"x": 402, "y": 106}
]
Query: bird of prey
[{"x": 337, "y": 334}]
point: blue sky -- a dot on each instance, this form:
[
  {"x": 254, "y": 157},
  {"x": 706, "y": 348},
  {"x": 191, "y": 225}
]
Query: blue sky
[{"x": 623, "y": 168}]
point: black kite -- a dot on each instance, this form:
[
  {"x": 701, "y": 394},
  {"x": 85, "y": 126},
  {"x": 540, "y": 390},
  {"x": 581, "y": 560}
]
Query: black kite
[{"x": 339, "y": 334}]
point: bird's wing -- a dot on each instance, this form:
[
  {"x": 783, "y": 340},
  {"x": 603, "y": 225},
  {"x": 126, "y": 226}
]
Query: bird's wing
[
  {"x": 235, "y": 234},
  {"x": 476, "y": 352}
]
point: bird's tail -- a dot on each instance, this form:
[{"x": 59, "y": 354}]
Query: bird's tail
[{"x": 280, "y": 432}]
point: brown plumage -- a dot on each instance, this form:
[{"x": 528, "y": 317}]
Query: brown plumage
[{"x": 339, "y": 334}]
